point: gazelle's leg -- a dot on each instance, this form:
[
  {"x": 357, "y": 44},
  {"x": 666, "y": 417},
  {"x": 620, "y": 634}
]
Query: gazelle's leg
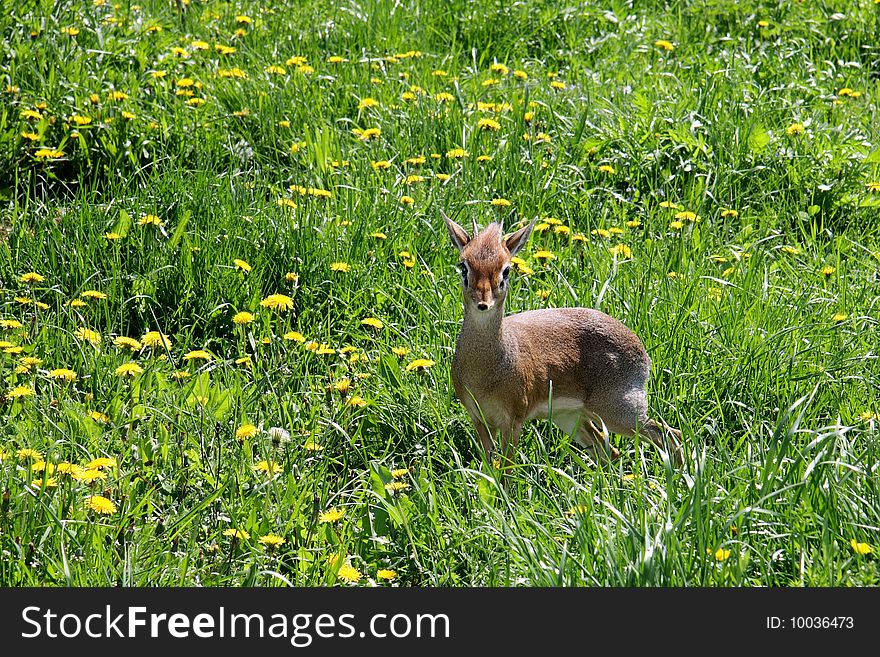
[
  {"x": 590, "y": 436},
  {"x": 510, "y": 440},
  {"x": 485, "y": 434}
]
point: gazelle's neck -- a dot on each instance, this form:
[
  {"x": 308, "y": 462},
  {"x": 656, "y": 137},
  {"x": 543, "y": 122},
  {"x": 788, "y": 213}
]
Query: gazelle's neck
[{"x": 483, "y": 326}]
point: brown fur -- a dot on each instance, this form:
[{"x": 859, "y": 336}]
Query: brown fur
[{"x": 586, "y": 367}]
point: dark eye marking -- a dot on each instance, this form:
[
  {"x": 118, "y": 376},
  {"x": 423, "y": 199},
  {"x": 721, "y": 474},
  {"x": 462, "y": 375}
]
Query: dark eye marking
[{"x": 463, "y": 270}]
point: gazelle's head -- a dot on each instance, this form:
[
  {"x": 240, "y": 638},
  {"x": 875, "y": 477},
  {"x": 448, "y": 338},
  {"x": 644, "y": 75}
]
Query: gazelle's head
[{"x": 485, "y": 262}]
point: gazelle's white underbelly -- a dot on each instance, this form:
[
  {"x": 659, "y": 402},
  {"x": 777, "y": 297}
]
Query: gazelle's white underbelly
[{"x": 557, "y": 406}]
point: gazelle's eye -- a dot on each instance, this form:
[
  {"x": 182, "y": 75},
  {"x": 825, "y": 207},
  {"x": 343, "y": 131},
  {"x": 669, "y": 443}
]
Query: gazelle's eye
[
  {"x": 504, "y": 274},
  {"x": 462, "y": 268}
]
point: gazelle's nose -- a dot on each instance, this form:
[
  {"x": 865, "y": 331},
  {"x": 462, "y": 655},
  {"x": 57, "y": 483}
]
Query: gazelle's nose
[{"x": 482, "y": 305}]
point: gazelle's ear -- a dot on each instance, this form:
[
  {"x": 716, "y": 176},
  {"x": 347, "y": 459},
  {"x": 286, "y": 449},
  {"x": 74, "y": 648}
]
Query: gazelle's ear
[
  {"x": 456, "y": 233},
  {"x": 518, "y": 240}
]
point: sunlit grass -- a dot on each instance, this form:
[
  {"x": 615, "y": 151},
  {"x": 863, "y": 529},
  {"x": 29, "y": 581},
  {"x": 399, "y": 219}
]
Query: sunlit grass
[{"x": 223, "y": 271}]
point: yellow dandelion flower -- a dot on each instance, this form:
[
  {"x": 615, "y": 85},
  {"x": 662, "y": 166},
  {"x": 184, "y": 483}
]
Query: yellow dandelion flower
[
  {"x": 198, "y": 354},
  {"x": 156, "y": 339},
  {"x": 343, "y": 386},
  {"x": 149, "y": 220},
  {"x": 241, "y": 264},
  {"x": 860, "y": 548},
  {"x": 48, "y": 154},
  {"x": 64, "y": 374},
  {"x": 124, "y": 342},
  {"x": 368, "y": 134},
  {"x": 269, "y": 467},
  {"x": 687, "y": 215},
  {"x": 272, "y": 541},
  {"x": 827, "y": 270},
  {"x": 71, "y": 469},
  {"x": 88, "y": 335},
  {"x": 28, "y": 453},
  {"x": 331, "y": 515},
  {"x": 246, "y": 431},
  {"x": 386, "y": 575},
  {"x": 729, "y": 213},
  {"x": 349, "y": 573},
  {"x": 500, "y": 202},
  {"x": 10, "y": 324},
  {"x": 372, "y": 322},
  {"x": 312, "y": 446},
  {"x": 839, "y": 317},
  {"x": 236, "y": 534},
  {"x": 242, "y": 318},
  {"x": 112, "y": 237},
  {"x": 129, "y": 370},
  {"x": 280, "y": 302},
  {"x": 397, "y": 486},
  {"x": 32, "y": 277},
  {"x": 88, "y": 475},
  {"x": 544, "y": 255},
  {"x": 20, "y": 391},
  {"x": 340, "y": 266},
  {"x": 720, "y": 554},
  {"x": 676, "y": 225},
  {"x": 295, "y": 336},
  {"x": 93, "y": 294},
  {"x": 97, "y": 416},
  {"x": 233, "y": 72},
  {"x": 420, "y": 364},
  {"x": 488, "y": 124},
  {"x": 100, "y": 463},
  {"x": 457, "y": 154},
  {"x": 621, "y": 251},
  {"x": 400, "y": 352},
  {"x": 100, "y": 504},
  {"x": 663, "y": 44}
]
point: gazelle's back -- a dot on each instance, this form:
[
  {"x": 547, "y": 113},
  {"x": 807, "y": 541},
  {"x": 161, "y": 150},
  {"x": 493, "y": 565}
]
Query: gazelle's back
[{"x": 583, "y": 351}]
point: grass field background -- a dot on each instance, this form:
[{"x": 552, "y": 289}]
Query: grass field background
[{"x": 249, "y": 193}]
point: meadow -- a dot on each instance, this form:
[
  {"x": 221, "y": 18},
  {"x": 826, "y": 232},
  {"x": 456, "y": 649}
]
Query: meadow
[{"x": 228, "y": 303}]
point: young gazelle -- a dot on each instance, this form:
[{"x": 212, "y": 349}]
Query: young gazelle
[{"x": 577, "y": 366}]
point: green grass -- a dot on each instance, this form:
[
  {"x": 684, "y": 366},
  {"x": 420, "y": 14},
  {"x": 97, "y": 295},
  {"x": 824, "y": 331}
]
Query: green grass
[{"x": 766, "y": 363}]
